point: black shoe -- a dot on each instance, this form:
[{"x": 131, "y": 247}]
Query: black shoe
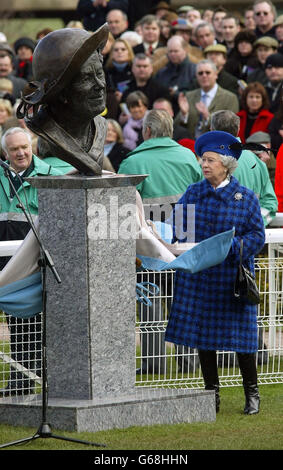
[
  {"x": 140, "y": 371},
  {"x": 252, "y": 399}
]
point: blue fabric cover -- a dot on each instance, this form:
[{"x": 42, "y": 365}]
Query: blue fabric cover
[
  {"x": 205, "y": 254},
  {"x": 23, "y": 298}
]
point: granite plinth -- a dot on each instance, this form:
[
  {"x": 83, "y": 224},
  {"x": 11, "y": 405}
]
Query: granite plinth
[
  {"x": 139, "y": 408},
  {"x": 91, "y": 314},
  {"x": 78, "y": 181}
]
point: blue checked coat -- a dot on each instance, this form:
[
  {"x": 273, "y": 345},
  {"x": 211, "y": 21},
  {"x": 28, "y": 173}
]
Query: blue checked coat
[{"x": 205, "y": 314}]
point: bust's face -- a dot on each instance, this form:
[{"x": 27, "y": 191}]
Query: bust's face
[{"x": 87, "y": 92}]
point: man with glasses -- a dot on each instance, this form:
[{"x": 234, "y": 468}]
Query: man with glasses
[
  {"x": 264, "y": 15},
  {"x": 197, "y": 105}
]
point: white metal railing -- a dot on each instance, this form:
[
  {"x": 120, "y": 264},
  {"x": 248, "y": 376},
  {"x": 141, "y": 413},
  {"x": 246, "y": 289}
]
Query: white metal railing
[
  {"x": 168, "y": 366},
  {"x": 165, "y": 365},
  {"x": 20, "y": 345}
]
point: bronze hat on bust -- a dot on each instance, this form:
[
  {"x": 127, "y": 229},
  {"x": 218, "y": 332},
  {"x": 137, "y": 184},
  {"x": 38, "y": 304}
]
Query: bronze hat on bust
[{"x": 57, "y": 58}]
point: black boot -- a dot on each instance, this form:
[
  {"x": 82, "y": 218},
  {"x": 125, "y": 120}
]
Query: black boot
[
  {"x": 247, "y": 365},
  {"x": 252, "y": 399},
  {"x": 208, "y": 365}
]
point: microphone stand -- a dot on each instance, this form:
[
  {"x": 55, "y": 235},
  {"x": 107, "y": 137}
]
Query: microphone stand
[{"x": 44, "y": 430}]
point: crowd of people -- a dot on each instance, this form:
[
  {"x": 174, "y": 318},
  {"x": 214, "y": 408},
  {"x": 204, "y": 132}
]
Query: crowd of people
[{"x": 172, "y": 78}]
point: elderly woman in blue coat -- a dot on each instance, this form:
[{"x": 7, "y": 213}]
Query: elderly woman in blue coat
[{"x": 205, "y": 314}]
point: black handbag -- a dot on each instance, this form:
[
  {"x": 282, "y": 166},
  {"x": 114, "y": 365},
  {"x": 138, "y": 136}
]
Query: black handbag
[{"x": 245, "y": 287}]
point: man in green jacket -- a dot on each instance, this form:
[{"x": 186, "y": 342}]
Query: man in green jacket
[
  {"x": 171, "y": 168},
  {"x": 25, "y": 336}
]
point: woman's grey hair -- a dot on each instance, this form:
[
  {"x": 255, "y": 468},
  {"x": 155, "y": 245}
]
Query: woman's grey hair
[
  {"x": 11, "y": 131},
  {"x": 229, "y": 162},
  {"x": 160, "y": 123}
]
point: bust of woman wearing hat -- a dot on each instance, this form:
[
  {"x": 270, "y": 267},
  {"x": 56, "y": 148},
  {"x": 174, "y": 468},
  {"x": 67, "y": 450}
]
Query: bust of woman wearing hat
[
  {"x": 64, "y": 102},
  {"x": 205, "y": 314}
]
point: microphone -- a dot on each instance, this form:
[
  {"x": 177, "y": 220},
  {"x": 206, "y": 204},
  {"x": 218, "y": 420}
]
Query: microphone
[{"x": 6, "y": 166}]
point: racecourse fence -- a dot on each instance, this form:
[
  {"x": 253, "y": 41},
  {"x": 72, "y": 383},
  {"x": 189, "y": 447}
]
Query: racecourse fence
[{"x": 161, "y": 364}]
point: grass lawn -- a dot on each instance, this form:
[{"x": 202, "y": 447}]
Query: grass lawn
[{"x": 232, "y": 430}]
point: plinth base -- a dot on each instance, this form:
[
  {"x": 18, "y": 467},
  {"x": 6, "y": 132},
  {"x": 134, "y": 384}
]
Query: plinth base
[{"x": 142, "y": 407}]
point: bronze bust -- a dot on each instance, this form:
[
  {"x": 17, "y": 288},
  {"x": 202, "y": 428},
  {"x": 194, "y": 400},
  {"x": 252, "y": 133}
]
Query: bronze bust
[{"x": 63, "y": 103}]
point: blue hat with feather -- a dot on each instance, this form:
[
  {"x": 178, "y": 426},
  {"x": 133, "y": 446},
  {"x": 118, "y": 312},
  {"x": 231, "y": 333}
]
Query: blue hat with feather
[{"x": 218, "y": 142}]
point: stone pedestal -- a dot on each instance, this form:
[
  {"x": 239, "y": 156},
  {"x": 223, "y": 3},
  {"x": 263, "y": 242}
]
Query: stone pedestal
[{"x": 88, "y": 226}]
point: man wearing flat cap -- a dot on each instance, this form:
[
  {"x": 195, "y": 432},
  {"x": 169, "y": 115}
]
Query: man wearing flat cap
[
  {"x": 263, "y": 47},
  {"x": 217, "y": 53},
  {"x": 267, "y": 157}
]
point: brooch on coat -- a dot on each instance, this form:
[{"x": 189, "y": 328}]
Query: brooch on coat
[{"x": 238, "y": 196}]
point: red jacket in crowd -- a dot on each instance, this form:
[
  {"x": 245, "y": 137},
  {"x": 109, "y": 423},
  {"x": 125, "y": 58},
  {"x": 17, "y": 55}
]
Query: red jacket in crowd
[{"x": 260, "y": 125}]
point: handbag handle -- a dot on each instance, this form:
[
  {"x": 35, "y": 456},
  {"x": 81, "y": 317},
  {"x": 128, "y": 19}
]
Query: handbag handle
[{"x": 241, "y": 250}]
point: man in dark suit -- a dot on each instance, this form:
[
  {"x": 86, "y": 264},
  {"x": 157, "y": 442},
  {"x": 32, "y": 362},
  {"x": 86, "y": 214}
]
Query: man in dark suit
[
  {"x": 274, "y": 85},
  {"x": 179, "y": 73},
  {"x": 197, "y": 105},
  {"x": 144, "y": 81},
  {"x": 117, "y": 22},
  {"x": 150, "y": 31}
]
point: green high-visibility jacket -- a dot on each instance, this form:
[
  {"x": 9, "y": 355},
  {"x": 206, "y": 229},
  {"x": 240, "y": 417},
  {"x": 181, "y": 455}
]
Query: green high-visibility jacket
[
  {"x": 13, "y": 222},
  {"x": 171, "y": 168}
]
